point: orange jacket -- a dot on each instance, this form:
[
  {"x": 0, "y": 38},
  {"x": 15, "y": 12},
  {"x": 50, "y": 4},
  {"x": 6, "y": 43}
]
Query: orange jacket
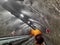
[{"x": 35, "y": 32}]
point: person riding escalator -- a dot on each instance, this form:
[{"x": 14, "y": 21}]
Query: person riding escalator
[{"x": 39, "y": 40}]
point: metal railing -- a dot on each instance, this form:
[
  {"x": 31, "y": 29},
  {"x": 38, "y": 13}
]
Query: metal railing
[{"x": 10, "y": 40}]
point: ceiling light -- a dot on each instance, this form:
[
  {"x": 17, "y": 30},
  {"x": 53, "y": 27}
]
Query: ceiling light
[
  {"x": 28, "y": 22},
  {"x": 5, "y": 0},
  {"x": 22, "y": 15}
]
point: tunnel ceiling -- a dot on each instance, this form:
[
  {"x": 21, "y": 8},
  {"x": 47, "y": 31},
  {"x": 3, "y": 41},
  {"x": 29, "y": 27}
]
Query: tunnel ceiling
[
  {"x": 11, "y": 23},
  {"x": 8, "y": 20}
]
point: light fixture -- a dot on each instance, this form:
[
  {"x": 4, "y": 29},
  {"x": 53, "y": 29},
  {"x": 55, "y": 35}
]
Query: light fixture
[
  {"x": 22, "y": 15},
  {"x": 25, "y": 12},
  {"x": 28, "y": 22},
  {"x": 5, "y": 0}
]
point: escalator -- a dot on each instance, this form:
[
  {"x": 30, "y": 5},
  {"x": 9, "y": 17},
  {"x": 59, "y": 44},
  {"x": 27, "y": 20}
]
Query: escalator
[{"x": 17, "y": 9}]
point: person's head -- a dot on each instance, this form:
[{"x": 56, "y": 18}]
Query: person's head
[{"x": 39, "y": 39}]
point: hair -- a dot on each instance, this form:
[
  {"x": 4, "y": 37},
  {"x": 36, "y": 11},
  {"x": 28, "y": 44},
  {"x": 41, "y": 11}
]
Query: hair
[{"x": 39, "y": 39}]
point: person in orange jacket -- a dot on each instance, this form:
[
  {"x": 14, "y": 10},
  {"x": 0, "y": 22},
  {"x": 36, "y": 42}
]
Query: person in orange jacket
[{"x": 38, "y": 36}]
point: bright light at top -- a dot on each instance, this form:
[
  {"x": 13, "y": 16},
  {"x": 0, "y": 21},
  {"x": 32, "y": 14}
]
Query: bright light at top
[
  {"x": 26, "y": 12},
  {"x": 5, "y": 0},
  {"x": 22, "y": 15},
  {"x": 28, "y": 22},
  {"x": 31, "y": 19}
]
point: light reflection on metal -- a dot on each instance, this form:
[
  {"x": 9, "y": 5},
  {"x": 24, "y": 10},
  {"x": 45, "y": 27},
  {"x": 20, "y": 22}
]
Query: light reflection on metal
[
  {"x": 11, "y": 39},
  {"x": 32, "y": 20},
  {"x": 25, "y": 12}
]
